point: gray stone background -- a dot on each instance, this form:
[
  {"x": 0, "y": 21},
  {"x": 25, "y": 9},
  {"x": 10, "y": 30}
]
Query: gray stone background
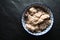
[{"x": 10, "y": 20}]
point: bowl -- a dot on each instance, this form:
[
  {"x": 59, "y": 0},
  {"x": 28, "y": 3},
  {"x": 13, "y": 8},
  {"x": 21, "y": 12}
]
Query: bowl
[{"x": 51, "y": 17}]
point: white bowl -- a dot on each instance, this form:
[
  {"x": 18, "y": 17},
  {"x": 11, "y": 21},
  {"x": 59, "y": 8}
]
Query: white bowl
[{"x": 47, "y": 29}]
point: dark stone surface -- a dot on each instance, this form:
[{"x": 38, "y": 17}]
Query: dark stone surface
[{"x": 10, "y": 20}]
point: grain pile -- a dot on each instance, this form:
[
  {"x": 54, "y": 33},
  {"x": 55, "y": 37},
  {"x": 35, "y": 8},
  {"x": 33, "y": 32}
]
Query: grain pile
[{"x": 36, "y": 19}]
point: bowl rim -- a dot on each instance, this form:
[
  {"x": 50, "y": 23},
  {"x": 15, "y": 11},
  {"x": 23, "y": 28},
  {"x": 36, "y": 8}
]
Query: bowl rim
[{"x": 47, "y": 29}]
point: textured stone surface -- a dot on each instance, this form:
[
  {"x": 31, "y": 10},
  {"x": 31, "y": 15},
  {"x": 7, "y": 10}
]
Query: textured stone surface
[{"x": 10, "y": 20}]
